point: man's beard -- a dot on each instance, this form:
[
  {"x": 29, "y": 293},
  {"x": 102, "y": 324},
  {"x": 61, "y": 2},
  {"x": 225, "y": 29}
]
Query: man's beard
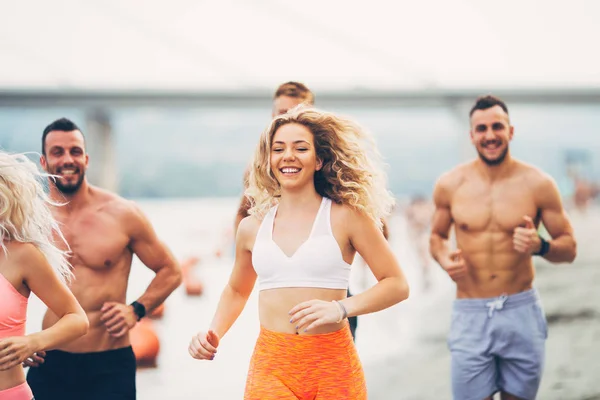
[
  {"x": 69, "y": 188},
  {"x": 496, "y": 161}
]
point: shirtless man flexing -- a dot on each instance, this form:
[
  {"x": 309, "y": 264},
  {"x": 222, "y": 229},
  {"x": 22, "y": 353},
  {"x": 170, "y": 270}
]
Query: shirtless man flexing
[
  {"x": 495, "y": 202},
  {"x": 104, "y": 231}
]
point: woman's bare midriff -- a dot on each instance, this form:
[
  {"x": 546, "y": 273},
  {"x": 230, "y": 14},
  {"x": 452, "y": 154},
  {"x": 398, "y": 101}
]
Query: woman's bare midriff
[
  {"x": 12, "y": 377},
  {"x": 275, "y": 304}
]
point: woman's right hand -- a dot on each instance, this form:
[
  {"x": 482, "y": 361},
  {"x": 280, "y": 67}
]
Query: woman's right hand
[
  {"x": 14, "y": 350},
  {"x": 204, "y": 345}
]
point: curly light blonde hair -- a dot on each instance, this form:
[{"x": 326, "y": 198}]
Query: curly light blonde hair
[
  {"x": 25, "y": 214},
  {"x": 352, "y": 171}
]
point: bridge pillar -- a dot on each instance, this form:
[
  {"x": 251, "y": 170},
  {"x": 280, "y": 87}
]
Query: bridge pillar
[
  {"x": 460, "y": 110},
  {"x": 101, "y": 147}
]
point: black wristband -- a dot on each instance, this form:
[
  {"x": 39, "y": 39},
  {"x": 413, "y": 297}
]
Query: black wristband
[
  {"x": 544, "y": 247},
  {"x": 139, "y": 309}
]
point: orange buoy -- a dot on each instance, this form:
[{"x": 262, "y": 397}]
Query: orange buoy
[
  {"x": 145, "y": 344},
  {"x": 193, "y": 287}
]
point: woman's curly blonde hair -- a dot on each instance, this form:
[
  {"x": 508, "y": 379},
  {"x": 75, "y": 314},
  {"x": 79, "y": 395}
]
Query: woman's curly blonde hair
[{"x": 352, "y": 171}]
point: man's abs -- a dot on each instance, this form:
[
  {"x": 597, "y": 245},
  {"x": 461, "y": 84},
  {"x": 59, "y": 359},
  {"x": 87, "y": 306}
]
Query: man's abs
[
  {"x": 493, "y": 274},
  {"x": 97, "y": 338},
  {"x": 93, "y": 287}
]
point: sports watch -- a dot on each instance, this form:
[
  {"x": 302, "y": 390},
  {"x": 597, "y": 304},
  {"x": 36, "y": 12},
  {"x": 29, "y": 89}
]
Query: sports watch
[
  {"x": 138, "y": 309},
  {"x": 544, "y": 247}
]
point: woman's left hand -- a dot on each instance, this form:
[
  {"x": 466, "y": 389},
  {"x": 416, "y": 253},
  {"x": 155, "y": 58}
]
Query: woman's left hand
[
  {"x": 14, "y": 350},
  {"x": 313, "y": 313}
]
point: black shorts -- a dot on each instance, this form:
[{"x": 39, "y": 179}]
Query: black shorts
[{"x": 85, "y": 376}]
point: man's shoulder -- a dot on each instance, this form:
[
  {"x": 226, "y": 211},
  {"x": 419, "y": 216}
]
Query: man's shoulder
[
  {"x": 452, "y": 178},
  {"x": 535, "y": 176},
  {"x": 112, "y": 203}
]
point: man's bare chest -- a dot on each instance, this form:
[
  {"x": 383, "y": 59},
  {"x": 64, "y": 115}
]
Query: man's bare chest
[
  {"x": 96, "y": 240},
  {"x": 501, "y": 207}
]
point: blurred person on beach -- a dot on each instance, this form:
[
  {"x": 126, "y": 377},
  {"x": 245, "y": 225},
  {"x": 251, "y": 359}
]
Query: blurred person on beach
[
  {"x": 584, "y": 189},
  {"x": 104, "y": 232},
  {"x": 418, "y": 217},
  {"x": 496, "y": 203},
  {"x": 30, "y": 263},
  {"x": 584, "y": 193},
  {"x": 318, "y": 195}
]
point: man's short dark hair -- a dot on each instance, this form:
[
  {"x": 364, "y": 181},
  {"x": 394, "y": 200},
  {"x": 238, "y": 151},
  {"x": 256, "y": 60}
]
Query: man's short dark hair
[
  {"x": 485, "y": 102},
  {"x": 295, "y": 90},
  {"x": 63, "y": 125}
]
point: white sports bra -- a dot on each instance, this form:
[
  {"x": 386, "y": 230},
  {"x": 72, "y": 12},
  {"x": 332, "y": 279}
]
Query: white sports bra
[{"x": 316, "y": 263}]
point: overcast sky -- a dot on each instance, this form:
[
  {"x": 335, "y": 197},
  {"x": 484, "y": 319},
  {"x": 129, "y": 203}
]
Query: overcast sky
[{"x": 328, "y": 44}]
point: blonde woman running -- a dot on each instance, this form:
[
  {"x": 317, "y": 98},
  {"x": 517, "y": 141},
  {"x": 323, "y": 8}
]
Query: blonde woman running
[
  {"x": 29, "y": 262},
  {"x": 318, "y": 196}
]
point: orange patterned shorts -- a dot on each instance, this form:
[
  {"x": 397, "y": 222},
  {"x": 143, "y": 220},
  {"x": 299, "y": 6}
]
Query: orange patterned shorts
[{"x": 316, "y": 367}]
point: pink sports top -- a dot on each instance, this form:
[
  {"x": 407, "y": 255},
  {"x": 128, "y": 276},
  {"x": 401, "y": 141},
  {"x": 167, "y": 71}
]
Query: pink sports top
[
  {"x": 13, "y": 312},
  {"x": 316, "y": 263}
]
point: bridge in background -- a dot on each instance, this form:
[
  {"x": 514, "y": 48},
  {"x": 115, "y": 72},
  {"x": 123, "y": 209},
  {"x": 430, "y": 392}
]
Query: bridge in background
[{"x": 98, "y": 105}]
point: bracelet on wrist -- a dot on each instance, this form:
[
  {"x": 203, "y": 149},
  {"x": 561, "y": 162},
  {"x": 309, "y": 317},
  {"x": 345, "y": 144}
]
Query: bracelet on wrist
[{"x": 343, "y": 311}]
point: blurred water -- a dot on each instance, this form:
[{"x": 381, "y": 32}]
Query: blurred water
[{"x": 203, "y": 151}]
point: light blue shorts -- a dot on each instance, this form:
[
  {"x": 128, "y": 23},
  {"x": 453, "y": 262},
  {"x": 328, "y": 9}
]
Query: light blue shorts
[{"x": 497, "y": 344}]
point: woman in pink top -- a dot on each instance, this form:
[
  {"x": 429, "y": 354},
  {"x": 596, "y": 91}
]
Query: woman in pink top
[{"x": 29, "y": 262}]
